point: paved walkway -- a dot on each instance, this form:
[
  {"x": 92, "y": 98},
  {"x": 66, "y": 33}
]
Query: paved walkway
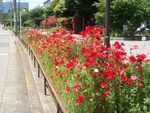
[
  {"x": 142, "y": 47},
  {"x": 14, "y": 95}
]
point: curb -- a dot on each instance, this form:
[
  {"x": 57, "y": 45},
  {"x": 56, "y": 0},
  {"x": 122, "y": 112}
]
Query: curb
[
  {"x": 46, "y": 101},
  {"x": 33, "y": 96}
]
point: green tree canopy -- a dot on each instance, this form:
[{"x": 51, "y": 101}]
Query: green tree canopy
[
  {"x": 33, "y": 18},
  {"x": 48, "y": 12},
  {"x": 36, "y": 15},
  {"x": 124, "y": 12},
  {"x": 25, "y": 17},
  {"x": 69, "y": 7}
]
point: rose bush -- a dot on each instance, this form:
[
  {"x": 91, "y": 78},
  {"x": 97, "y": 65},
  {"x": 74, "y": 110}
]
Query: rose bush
[{"x": 89, "y": 77}]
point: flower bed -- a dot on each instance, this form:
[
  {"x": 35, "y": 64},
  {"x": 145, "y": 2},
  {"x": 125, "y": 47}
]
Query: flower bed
[{"x": 90, "y": 78}]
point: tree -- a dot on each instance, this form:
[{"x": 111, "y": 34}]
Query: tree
[
  {"x": 69, "y": 7},
  {"x": 5, "y": 18},
  {"x": 36, "y": 15},
  {"x": 26, "y": 18},
  {"x": 60, "y": 9},
  {"x": 48, "y": 11},
  {"x": 33, "y": 18},
  {"x": 81, "y": 10},
  {"x": 124, "y": 12}
]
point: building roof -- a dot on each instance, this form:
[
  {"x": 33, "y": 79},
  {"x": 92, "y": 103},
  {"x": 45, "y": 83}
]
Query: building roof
[{"x": 47, "y": 3}]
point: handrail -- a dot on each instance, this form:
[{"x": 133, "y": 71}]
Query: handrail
[{"x": 47, "y": 84}]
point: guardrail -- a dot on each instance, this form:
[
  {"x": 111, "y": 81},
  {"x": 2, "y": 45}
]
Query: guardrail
[{"x": 47, "y": 84}]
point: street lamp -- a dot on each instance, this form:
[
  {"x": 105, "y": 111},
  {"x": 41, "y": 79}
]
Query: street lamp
[
  {"x": 20, "y": 21},
  {"x": 15, "y": 16},
  {"x": 19, "y": 16},
  {"x": 107, "y": 24}
]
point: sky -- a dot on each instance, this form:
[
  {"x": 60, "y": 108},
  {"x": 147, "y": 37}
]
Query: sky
[{"x": 32, "y": 3}]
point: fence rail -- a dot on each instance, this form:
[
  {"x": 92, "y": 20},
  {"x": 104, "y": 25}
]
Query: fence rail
[{"x": 47, "y": 84}]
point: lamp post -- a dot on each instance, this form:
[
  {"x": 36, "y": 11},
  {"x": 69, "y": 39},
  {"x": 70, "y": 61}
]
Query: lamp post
[
  {"x": 107, "y": 24},
  {"x": 10, "y": 13},
  {"x": 20, "y": 22},
  {"x": 19, "y": 15},
  {"x": 15, "y": 17}
]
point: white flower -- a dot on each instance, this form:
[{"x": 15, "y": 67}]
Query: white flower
[{"x": 96, "y": 70}]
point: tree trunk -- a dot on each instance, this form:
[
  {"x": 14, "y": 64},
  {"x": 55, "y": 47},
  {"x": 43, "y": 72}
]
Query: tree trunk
[{"x": 77, "y": 22}]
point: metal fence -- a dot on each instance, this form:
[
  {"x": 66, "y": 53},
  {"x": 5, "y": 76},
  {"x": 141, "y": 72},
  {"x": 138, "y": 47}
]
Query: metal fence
[{"x": 47, "y": 85}]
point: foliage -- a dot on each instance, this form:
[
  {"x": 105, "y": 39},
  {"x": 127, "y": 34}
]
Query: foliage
[
  {"x": 60, "y": 8},
  {"x": 49, "y": 22},
  {"x": 5, "y": 18},
  {"x": 65, "y": 22},
  {"x": 33, "y": 18},
  {"x": 53, "y": 29},
  {"x": 91, "y": 78},
  {"x": 60, "y": 22},
  {"x": 26, "y": 20},
  {"x": 146, "y": 32},
  {"x": 48, "y": 12},
  {"x": 54, "y": 3},
  {"x": 69, "y": 7},
  {"x": 36, "y": 16},
  {"x": 124, "y": 12}
]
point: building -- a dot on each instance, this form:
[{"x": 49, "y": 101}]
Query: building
[
  {"x": 8, "y": 6},
  {"x": 47, "y": 3}
]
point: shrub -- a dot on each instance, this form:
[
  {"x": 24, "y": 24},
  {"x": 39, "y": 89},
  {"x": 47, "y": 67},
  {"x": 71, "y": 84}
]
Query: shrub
[
  {"x": 65, "y": 22},
  {"x": 49, "y": 22}
]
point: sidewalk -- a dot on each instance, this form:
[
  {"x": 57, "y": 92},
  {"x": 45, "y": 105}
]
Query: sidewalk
[
  {"x": 31, "y": 74},
  {"x": 18, "y": 91}
]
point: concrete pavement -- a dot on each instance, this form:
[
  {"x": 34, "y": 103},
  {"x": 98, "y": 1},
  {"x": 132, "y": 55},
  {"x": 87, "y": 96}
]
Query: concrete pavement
[
  {"x": 140, "y": 47},
  {"x": 14, "y": 95},
  {"x": 35, "y": 85}
]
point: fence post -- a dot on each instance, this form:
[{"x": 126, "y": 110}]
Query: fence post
[
  {"x": 29, "y": 50},
  {"x": 34, "y": 61},
  {"x": 31, "y": 55},
  {"x": 45, "y": 86},
  {"x": 57, "y": 108},
  {"x": 38, "y": 71}
]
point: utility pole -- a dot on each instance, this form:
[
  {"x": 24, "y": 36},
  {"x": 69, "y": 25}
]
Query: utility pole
[
  {"x": 20, "y": 23},
  {"x": 10, "y": 13},
  {"x": 107, "y": 24},
  {"x": 15, "y": 17},
  {"x": 1, "y": 9},
  {"x": 19, "y": 12}
]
